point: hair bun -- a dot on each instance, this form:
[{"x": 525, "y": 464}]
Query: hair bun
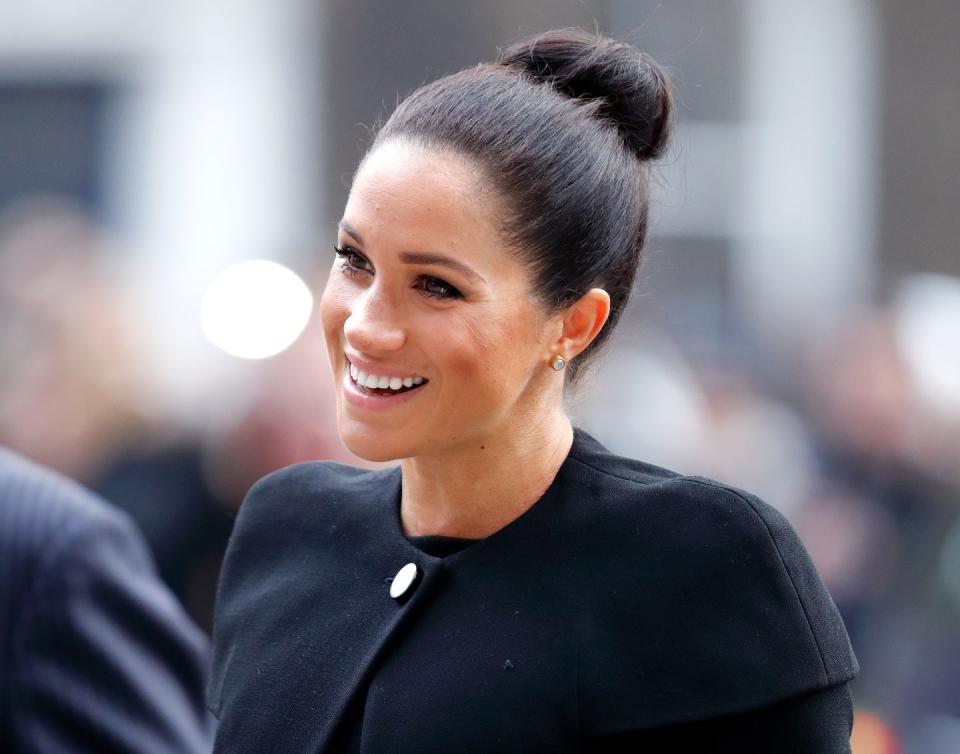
[{"x": 633, "y": 91}]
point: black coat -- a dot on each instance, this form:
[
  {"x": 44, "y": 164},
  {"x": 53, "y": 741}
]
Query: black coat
[
  {"x": 627, "y": 598},
  {"x": 96, "y": 655}
]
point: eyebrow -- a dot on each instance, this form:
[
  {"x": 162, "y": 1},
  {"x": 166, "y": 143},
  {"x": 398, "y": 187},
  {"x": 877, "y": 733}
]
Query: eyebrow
[{"x": 419, "y": 257}]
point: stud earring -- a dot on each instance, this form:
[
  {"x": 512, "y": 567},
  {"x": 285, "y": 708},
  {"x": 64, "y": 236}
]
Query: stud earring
[{"x": 558, "y": 362}]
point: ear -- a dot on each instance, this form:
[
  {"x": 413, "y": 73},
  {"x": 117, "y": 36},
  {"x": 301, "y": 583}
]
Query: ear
[{"x": 581, "y": 323}]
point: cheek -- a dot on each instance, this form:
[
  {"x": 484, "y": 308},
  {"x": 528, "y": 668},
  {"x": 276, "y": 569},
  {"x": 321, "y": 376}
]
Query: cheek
[{"x": 494, "y": 349}]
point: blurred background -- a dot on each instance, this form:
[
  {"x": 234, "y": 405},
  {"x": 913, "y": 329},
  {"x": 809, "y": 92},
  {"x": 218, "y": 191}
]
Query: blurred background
[{"x": 795, "y": 329}]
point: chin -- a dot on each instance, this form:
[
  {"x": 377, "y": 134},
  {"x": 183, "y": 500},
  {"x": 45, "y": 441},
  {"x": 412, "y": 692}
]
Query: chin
[{"x": 373, "y": 446}]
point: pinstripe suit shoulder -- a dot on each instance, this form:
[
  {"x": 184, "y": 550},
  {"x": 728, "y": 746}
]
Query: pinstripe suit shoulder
[{"x": 95, "y": 653}]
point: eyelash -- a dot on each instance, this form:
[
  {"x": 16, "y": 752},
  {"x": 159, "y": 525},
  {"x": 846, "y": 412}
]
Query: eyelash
[{"x": 348, "y": 264}]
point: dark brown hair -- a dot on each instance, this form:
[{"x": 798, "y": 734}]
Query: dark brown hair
[{"x": 564, "y": 126}]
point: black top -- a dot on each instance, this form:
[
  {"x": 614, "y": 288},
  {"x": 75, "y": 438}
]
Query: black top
[{"x": 629, "y": 604}]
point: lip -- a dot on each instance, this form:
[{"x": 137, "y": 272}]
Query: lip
[
  {"x": 354, "y": 395},
  {"x": 377, "y": 369}
]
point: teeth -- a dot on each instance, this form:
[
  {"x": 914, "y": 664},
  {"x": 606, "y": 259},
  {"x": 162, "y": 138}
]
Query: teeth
[{"x": 380, "y": 382}]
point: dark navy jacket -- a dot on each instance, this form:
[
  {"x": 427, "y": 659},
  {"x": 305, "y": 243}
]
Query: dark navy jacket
[
  {"x": 95, "y": 654},
  {"x": 628, "y": 598}
]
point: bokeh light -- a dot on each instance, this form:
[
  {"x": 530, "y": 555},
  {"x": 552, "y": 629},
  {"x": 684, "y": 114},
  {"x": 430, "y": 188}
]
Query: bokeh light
[{"x": 255, "y": 309}]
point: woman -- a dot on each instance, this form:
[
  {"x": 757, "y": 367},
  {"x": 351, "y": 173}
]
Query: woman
[{"x": 511, "y": 586}]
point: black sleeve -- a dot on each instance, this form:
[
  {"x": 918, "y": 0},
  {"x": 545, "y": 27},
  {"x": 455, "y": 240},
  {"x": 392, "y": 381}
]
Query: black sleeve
[
  {"x": 819, "y": 722},
  {"x": 106, "y": 660}
]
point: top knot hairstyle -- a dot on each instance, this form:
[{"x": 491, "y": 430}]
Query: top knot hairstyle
[
  {"x": 563, "y": 126},
  {"x": 628, "y": 90}
]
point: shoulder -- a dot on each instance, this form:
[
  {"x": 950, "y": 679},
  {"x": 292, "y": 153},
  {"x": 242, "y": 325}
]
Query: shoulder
[
  {"x": 303, "y": 480},
  {"x": 293, "y": 509},
  {"x": 79, "y": 584},
  {"x": 298, "y": 528},
  {"x": 60, "y": 544},
  {"x": 695, "y": 511},
  {"x": 43, "y": 517},
  {"x": 709, "y": 584},
  {"x": 297, "y": 498}
]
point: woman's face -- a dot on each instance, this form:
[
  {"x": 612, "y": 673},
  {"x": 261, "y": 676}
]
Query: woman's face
[{"x": 425, "y": 301}]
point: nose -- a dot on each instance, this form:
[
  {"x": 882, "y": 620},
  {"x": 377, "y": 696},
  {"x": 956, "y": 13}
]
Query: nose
[{"x": 373, "y": 326}]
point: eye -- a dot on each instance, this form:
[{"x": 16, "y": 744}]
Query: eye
[
  {"x": 352, "y": 261},
  {"x": 436, "y": 288}
]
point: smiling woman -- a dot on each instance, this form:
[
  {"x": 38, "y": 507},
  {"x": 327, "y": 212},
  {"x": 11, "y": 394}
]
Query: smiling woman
[{"x": 511, "y": 585}]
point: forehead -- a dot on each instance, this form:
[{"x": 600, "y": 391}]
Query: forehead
[{"x": 406, "y": 193}]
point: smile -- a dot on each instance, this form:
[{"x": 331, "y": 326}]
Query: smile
[
  {"x": 371, "y": 390},
  {"x": 382, "y": 382}
]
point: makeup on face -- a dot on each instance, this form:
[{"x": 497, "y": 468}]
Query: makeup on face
[{"x": 428, "y": 316}]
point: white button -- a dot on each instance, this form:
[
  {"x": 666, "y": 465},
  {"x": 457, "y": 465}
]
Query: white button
[{"x": 402, "y": 581}]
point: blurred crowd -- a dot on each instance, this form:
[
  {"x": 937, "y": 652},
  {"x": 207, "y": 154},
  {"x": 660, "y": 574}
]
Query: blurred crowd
[
  {"x": 857, "y": 442},
  {"x": 76, "y": 394}
]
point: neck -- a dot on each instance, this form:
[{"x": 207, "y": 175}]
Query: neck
[{"x": 475, "y": 489}]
